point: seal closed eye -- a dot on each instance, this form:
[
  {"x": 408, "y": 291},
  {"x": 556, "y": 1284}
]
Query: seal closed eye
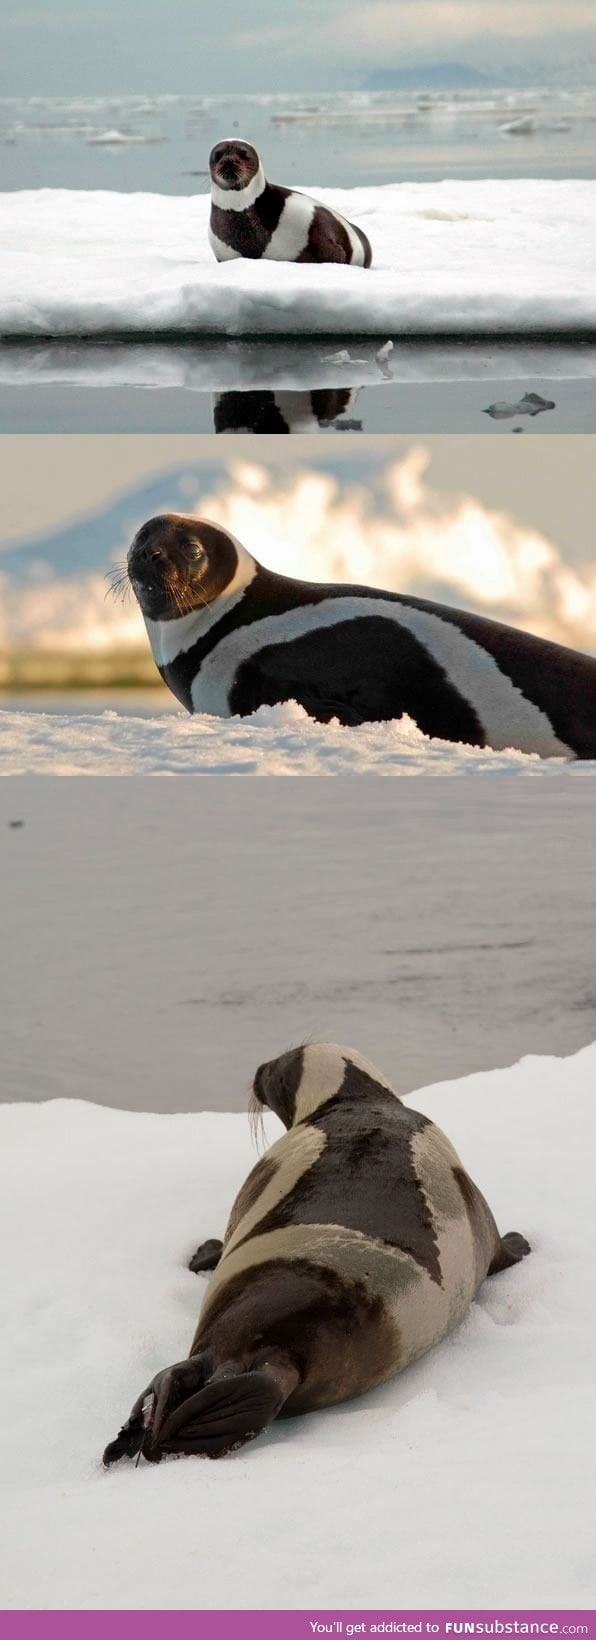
[{"x": 354, "y": 1246}]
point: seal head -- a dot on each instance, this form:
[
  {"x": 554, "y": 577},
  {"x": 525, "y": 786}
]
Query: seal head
[
  {"x": 177, "y": 564},
  {"x": 233, "y": 164}
]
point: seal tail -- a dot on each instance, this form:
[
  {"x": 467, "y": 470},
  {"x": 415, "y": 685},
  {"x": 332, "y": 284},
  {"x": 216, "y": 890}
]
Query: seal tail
[
  {"x": 512, "y": 1247},
  {"x": 230, "y": 1410}
]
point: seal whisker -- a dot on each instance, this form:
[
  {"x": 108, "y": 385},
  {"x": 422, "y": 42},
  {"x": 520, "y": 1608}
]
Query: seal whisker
[
  {"x": 256, "y": 1122},
  {"x": 119, "y": 579}
]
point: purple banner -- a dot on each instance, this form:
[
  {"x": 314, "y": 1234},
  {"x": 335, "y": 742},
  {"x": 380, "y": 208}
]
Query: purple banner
[{"x": 289, "y": 1625}]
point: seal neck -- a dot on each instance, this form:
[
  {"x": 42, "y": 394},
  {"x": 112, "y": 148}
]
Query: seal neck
[
  {"x": 329, "y": 1071},
  {"x": 239, "y": 199},
  {"x": 170, "y": 638}
]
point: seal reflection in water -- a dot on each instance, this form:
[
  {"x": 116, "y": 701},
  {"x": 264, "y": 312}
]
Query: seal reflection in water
[
  {"x": 229, "y": 636},
  {"x": 355, "y": 1245},
  {"x": 262, "y": 411}
]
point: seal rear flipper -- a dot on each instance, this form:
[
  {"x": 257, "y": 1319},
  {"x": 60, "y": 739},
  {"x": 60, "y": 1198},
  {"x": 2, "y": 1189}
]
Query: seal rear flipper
[
  {"x": 157, "y": 1401},
  {"x": 231, "y": 1410},
  {"x": 512, "y": 1248},
  {"x": 207, "y": 1256},
  {"x": 127, "y": 1444}
]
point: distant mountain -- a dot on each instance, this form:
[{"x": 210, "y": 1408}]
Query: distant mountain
[
  {"x": 428, "y": 77},
  {"x": 92, "y": 541},
  {"x": 561, "y": 69},
  {"x": 89, "y": 545}
]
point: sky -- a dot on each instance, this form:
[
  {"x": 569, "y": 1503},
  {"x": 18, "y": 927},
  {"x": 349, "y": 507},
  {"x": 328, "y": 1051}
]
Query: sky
[
  {"x": 53, "y": 47},
  {"x": 546, "y": 483}
]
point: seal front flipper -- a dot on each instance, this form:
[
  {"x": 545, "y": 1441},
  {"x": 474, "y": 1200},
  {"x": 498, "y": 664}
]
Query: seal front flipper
[
  {"x": 260, "y": 683},
  {"x": 513, "y": 1247},
  {"x": 233, "y": 1408},
  {"x": 207, "y": 1256}
]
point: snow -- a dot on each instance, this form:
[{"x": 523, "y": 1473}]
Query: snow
[
  {"x": 450, "y": 257},
  {"x": 462, "y": 1483},
  {"x": 276, "y": 740}
]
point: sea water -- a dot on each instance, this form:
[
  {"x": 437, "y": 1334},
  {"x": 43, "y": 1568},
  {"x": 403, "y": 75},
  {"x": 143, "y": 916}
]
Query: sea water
[{"x": 342, "y": 139}]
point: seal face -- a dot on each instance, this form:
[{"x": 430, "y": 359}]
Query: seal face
[
  {"x": 229, "y": 636},
  {"x": 355, "y": 1245},
  {"x": 254, "y": 218}
]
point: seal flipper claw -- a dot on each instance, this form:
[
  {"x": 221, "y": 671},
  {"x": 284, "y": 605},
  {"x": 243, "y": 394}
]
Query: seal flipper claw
[
  {"x": 207, "y": 1256},
  {"x": 513, "y": 1247},
  {"x": 127, "y": 1444},
  {"x": 162, "y": 1395}
]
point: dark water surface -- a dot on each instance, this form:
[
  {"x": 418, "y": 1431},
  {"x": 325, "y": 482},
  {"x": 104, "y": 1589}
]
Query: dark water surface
[{"x": 432, "y": 386}]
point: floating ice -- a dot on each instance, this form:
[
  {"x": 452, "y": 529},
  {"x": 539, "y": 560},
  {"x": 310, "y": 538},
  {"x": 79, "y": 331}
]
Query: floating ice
[{"x": 460, "y": 258}]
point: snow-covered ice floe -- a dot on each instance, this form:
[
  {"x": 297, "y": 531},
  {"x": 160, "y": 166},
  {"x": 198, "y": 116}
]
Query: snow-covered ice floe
[
  {"x": 276, "y": 740},
  {"x": 488, "y": 257},
  {"x": 481, "y": 1443}
]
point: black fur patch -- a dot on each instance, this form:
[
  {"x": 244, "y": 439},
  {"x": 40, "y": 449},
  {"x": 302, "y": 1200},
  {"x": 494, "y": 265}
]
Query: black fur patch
[
  {"x": 334, "y": 1331},
  {"x": 360, "y": 671},
  {"x": 328, "y": 240},
  {"x": 365, "y": 1178},
  {"x": 248, "y": 232}
]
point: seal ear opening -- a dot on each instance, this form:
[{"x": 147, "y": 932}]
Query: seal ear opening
[{"x": 224, "y": 1415}]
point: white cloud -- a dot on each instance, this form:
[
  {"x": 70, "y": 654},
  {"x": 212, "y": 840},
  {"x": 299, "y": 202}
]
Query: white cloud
[
  {"x": 74, "y": 614},
  {"x": 371, "y": 31}
]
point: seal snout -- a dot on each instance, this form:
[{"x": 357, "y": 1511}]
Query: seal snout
[{"x": 147, "y": 555}]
